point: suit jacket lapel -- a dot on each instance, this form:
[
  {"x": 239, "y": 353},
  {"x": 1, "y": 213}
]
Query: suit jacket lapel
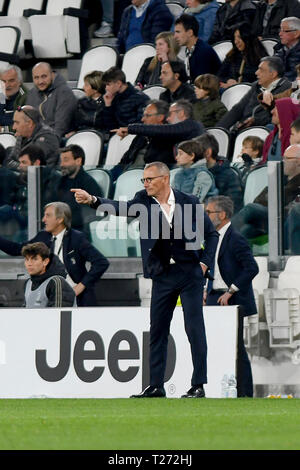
[{"x": 224, "y": 242}]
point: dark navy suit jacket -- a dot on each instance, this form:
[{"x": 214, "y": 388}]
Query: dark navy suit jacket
[
  {"x": 238, "y": 266},
  {"x": 77, "y": 250},
  {"x": 145, "y": 206}
]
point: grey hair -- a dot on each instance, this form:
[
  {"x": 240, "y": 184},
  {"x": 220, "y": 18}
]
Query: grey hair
[
  {"x": 223, "y": 203},
  {"x": 186, "y": 106},
  {"x": 13, "y": 67},
  {"x": 293, "y": 21},
  {"x": 162, "y": 167},
  {"x": 62, "y": 211},
  {"x": 162, "y": 107}
]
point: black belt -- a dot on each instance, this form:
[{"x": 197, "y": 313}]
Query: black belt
[{"x": 218, "y": 291}]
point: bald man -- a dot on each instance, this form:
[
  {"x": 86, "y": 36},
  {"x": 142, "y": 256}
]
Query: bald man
[{"x": 53, "y": 97}]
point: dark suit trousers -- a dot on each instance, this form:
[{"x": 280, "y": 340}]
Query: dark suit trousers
[
  {"x": 165, "y": 291},
  {"x": 243, "y": 372}
]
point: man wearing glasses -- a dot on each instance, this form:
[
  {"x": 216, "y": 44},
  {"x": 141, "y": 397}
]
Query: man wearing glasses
[
  {"x": 176, "y": 256},
  {"x": 289, "y": 48}
]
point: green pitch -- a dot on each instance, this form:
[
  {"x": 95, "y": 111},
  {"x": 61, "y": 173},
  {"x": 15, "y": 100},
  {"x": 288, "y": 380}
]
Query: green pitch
[{"x": 150, "y": 424}]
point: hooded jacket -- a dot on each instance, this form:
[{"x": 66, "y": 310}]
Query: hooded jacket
[
  {"x": 205, "y": 14},
  {"x": 58, "y": 291},
  {"x": 288, "y": 111},
  {"x": 57, "y": 105}
]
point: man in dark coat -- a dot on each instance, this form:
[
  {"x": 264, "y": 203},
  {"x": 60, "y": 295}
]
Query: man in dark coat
[
  {"x": 174, "y": 78},
  {"x": 141, "y": 22},
  {"x": 176, "y": 264},
  {"x": 235, "y": 268},
  {"x": 72, "y": 248},
  {"x": 289, "y": 48}
]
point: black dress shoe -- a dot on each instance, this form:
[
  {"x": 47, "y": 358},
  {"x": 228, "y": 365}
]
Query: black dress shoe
[
  {"x": 151, "y": 392},
  {"x": 197, "y": 391}
]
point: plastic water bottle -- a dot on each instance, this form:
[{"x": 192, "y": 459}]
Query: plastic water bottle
[
  {"x": 224, "y": 386},
  {"x": 232, "y": 391}
]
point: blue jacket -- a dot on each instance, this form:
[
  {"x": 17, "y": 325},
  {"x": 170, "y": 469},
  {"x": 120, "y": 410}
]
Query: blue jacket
[
  {"x": 157, "y": 19},
  {"x": 143, "y": 205},
  {"x": 204, "y": 59},
  {"x": 205, "y": 17},
  {"x": 238, "y": 266},
  {"x": 77, "y": 250},
  {"x": 196, "y": 180},
  {"x": 290, "y": 58}
]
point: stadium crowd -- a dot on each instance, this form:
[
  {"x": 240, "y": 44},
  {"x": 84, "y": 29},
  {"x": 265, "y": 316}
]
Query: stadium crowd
[{"x": 176, "y": 128}]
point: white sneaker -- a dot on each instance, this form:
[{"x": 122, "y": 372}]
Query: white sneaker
[{"x": 104, "y": 31}]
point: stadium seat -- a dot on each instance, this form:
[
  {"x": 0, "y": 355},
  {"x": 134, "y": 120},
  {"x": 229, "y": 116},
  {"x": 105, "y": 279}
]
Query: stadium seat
[
  {"x": 116, "y": 149},
  {"x": 92, "y": 143},
  {"x": 134, "y": 58},
  {"x": 97, "y": 58},
  {"x": 256, "y": 181},
  {"x": 153, "y": 91},
  {"x": 7, "y": 139},
  {"x": 234, "y": 94},
  {"x": 269, "y": 44},
  {"x": 221, "y": 48},
  {"x": 175, "y": 8},
  {"x": 9, "y": 43},
  {"x": 15, "y": 17},
  {"x": 62, "y": 19},
  {"x": 79, "y": 93},
  {"x": 128, "y": 183},
  {"x": 222, "y": 136},
  {"x": 104, "y": 180},
  {"x": 258, "y": 131}
]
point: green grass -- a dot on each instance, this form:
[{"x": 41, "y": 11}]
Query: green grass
[{"x": 150, "y": 424}]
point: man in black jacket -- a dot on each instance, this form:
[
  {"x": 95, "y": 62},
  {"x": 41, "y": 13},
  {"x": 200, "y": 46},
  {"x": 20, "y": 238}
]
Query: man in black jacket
[
  {"x": 47, "y": 286},
  {"x": 289, "y": 48},
  {"x": 249, "y": 111},
  {"x": 174, "y": 78},
  {"x": 269, "y": 13}
]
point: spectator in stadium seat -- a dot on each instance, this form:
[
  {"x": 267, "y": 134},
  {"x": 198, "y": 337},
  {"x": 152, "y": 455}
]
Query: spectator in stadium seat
[
  {"x": 284, "y": 112},
  {"x": 124, "y": 104},
  {"x": 89, "y": 106},
  {"x": 181, "y": 126},
  {"x": 228, "y": 18},
  {"x": 208, "y": 109},
  {"x": 295, "y": 132},
  {"x": 167, "y": 49},
  {"x": 29, "y": 129},
  {"x": 53, "y": 98},
  {"x": 193, "y": 177},
  {"x": 47, "y": 286},
  {"x": 141, "y": 22},
  {"x": 289, "y": 48},
  {"x": 249, "y": 111},
  {"x": 72, "y": 248},
  {"x": 200, "y": 57},
  {"x": 268, "y": 15},
  {"x": 227, "y": 180},
  {"x": 235, "y": 268},
  {"x": 144, "y": 149},
  {"x": 72, "y": 160},
  {"x": 242, "y": 60},
  {"x": 174, "y": 78},
  {"x": 15, "y": 94},
  {"x": 250, "y": 155},
  {"x": 205, "y": 13}
]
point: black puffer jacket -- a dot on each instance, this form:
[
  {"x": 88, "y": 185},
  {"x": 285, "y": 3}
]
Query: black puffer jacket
[
  {"x": 57, "y": 297},
  {"x": 86, "y": 113}
]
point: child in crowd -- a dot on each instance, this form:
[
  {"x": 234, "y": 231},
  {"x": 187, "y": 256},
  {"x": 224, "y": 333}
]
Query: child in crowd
[
  {"x": 193, "y": 176},
  {"x": 250, "y": 155},
  {"x": 295, "y": 132},
  {"x": 208, "y": 108}
]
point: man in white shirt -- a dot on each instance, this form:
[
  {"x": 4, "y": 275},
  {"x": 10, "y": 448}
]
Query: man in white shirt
[{"x": 234, "y": 269}]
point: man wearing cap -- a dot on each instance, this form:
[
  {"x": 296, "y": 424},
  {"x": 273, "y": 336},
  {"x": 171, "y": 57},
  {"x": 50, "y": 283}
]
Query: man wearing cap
[{"x": 29, "y": 129}]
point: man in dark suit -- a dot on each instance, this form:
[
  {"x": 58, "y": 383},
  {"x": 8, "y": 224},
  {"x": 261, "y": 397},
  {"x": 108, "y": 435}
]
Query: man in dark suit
[
  {"x": 234, "y": 269},
  {"x": 73, "y": 249},
  {"x": 174, "y": 257}
]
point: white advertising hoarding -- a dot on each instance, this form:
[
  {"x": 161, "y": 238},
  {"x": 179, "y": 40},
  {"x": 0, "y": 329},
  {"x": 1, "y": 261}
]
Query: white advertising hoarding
[{"x": 103, "y": 352}]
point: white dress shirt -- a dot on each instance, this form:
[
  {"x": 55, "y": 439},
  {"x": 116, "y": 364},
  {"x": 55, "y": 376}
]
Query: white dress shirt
[
  {"x": 218, "y": 282},
  {"x": 58, "y": 250}
]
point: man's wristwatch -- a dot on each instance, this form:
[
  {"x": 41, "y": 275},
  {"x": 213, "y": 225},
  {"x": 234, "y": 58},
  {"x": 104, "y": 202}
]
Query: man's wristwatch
[{"x": 230, "y": 291}]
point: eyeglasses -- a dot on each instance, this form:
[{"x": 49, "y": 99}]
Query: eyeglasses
[
  {"x": 149, "y": 115},
  {"x": 27, "y": 112},
  {"x": 212, "y": 212},
  {"x": 173, "y": 111},
  {"x": 149, "y": 179},
  {"x": 287, "y": 30}
]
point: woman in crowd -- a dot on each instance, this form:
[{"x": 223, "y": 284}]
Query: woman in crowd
[
  {"x": 90, "y": 105},
  {"x": 208, "y": 108},
  {"x": 242, "y": 60},
  {"x": 166, "y": 49},
  {"x": 205, "y": 13}
]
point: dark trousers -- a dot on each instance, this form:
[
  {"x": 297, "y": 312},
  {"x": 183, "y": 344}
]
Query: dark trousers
[
  {"x": 243, "y": 369},
  {"x": 165, "y": 291}
]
